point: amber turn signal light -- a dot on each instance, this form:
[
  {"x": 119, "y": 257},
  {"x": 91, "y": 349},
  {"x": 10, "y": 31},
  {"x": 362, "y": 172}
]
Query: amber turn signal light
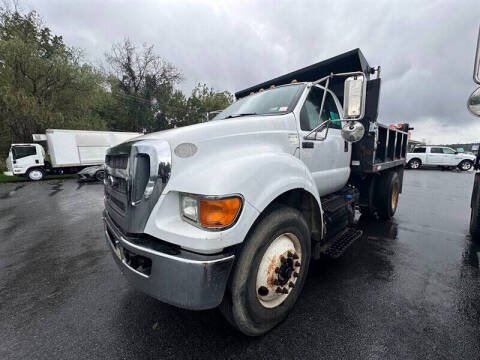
[{"x": 219, "y": 213}]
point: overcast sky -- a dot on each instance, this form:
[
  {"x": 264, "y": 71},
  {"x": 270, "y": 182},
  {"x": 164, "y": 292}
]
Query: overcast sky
[{"x": 425, "y": 48}]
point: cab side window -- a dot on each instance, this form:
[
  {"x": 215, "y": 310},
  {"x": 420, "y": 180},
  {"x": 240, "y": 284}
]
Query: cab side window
[
  {"x": 23, "y": 151},
  {"x": 436, "y": 151},
  {"x": 309, "y": 115},
  {"x": 419, "y": 150}
]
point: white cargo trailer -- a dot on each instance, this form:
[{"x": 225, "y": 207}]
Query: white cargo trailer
[{"x": 68, "y": 151}]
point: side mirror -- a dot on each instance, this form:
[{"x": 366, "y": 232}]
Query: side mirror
[
  {"x": 354, "y": 95},
  {"x": 353, "y": 131},
  {"x": 473, "y": 103}
]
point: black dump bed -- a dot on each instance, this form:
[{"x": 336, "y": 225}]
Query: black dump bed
[{"x": 381, "y": 147}]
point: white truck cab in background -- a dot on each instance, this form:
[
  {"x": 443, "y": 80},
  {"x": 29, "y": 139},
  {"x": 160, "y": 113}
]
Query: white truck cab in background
[
  {"x": 439, "y": 156},
  {"x": 68, "y": 152}
]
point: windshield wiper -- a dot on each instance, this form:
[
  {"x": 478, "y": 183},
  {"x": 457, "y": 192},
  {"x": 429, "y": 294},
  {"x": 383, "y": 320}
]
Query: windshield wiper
[{"x": 240, "y": 115}]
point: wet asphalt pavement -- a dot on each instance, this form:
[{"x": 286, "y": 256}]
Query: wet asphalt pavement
[{"x": 409, "y": 289}]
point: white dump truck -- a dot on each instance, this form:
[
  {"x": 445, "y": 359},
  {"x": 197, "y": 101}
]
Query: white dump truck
[
  {"x": 68, "y": 151},
  {"x": 230, "y": 212}
]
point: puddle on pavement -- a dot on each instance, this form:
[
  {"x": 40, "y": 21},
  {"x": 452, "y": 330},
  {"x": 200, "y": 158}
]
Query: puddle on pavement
[
  {"x": 56, "y": 188},
  {"x": 12, "y": 192}
]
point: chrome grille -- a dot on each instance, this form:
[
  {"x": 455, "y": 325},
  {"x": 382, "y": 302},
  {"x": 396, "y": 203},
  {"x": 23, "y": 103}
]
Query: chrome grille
[
  {"x": 136, "y": 174},
  {"x": 117, "y": 161}
]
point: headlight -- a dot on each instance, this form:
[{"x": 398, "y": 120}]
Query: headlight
[
  {"x": 190, "y": 208},
  {"x": 211, "y": 212}
]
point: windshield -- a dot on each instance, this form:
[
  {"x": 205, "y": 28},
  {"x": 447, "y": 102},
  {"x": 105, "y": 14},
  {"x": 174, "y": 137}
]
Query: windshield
[{"x": 273, "y": 101}]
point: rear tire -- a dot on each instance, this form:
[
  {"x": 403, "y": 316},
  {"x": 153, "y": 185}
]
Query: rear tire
[
  {"x": 386, "y": 198},
  {"x": 255, "y": 309},
  {"x": 465, "y": 165},
  {"x": 414, "y": 164},
  {"x": 475, "y": 212},
  {"x": 35, "y": 174}
]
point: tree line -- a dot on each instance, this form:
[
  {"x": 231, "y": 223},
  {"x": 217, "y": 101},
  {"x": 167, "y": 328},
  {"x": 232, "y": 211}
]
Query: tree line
[{"x": 44, "y": 83}]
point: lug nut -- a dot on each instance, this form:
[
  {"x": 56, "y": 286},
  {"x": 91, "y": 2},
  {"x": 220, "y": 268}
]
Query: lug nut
[
  {"x": 295, "y": 274},
  {"x": 291, "y": 284},
  {"x": 285, "y": 291},
  {"x": 289, "y": 254},
  {"x": 297, "y": 264},
  {"x": 295, "y": 256},
  {"x": 279, "y": 290},
  {"x": 262, "y": 291}
]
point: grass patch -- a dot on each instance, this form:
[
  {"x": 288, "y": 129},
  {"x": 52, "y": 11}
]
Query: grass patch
[{"x": 9, "y": 179}]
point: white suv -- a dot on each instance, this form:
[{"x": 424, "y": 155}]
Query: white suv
[{"x": 439, "y": 156}]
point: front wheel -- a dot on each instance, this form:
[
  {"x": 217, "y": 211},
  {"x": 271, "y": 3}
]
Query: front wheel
[
  {"x": 270, "y": 272},
  {"x": 36, "y": 174},
  {"x": 414, "y": 164},
  {"x": 100, "y": 175},
  {"x": 465, "y": 165}
]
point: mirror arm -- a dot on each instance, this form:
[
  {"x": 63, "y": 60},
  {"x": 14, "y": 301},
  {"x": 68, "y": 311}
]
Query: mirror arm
[
  {"x": 353, "y": 73},
  {"x": 323, "y": 102},
  {"x": 318, "y": 127}
]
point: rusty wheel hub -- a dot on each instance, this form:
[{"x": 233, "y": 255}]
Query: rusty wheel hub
[{"x": 278, "y": 270}]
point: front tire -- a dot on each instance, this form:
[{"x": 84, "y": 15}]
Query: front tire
[
  {"x": 414, "y": 164},
  {"x": 36, "y": 174},
  {"x": 100, "y": 175},
  {"x": 386, "y": 199},
  {"x": 465, "y": 165},
  {"x": 269, "y": 273}
]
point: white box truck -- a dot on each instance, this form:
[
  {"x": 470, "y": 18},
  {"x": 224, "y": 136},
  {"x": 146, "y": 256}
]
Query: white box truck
[{"x": 68, "y": 151}]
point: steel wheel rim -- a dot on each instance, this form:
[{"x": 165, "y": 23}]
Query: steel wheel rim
[
  {"x": 394, "y": 201},
  {"x": 35, "y": 175},
  {"x": 278, "y": 270}
]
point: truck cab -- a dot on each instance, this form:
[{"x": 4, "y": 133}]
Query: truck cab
[
  {"x": 23, "y": 159},
  {"x": 229, "y": 213}
]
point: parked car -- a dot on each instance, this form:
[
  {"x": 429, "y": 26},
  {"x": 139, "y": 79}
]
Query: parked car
[
  {"x": 439, "y": 156},
  {"x": 92, "y": 173}
]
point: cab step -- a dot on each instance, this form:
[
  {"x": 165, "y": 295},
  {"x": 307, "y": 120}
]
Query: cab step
[{"x": 337, "y": 246}]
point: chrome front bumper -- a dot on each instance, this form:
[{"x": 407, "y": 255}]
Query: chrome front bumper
[{"x": 174, "y": 276}]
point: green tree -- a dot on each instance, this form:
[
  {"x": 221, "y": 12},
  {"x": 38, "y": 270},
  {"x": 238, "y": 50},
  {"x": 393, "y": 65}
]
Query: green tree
[
  {"x": 144, "y": 84},
  {"x": 42, "y": 81},
  {"x": 203, "y": 101}
]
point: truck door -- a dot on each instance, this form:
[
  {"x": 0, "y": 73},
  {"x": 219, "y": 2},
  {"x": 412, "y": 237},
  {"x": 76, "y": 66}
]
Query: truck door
[
  {"x": 435, "y": 156},
  {"x": 23, "y": 157},
  {"x": 450, "y": 157},
  {"x": 328, "y": 160}
]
